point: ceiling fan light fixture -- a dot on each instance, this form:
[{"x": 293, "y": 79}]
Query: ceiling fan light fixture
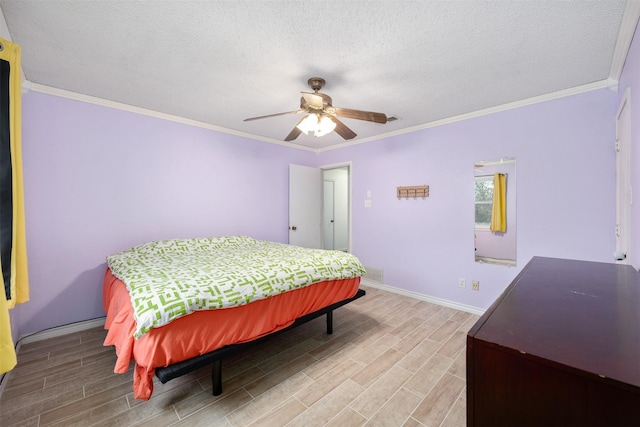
[
  {"x": 309, "y": 124},
  {"x": 325, "y": 126},
  {"x": 322, "y": 117},
  {"x": 317, "y": 125}
]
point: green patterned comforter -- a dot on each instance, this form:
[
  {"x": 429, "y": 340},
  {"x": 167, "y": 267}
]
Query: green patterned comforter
[{"x": 172, "y": 278}]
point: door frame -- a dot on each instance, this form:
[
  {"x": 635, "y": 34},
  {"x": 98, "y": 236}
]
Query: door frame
[
  {"x": 623, "y": 189},
  {"x": 328, "y": 183},
  {"x": 349, "y": 166}
]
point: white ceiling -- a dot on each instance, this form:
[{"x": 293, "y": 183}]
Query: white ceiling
[{"x": 219, "y": 62}]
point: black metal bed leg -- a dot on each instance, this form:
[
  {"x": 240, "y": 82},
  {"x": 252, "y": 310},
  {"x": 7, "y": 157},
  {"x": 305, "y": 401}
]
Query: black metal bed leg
[
  {"x": 216, "y": 377},
  {"x": 329, "y": 322}
]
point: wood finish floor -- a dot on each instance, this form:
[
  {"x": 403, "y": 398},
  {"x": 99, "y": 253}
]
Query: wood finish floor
[{"x": 391, "y": 361}]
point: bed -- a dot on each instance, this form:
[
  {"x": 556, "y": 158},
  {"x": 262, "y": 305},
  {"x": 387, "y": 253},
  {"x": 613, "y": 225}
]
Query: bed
[{"x": 174, "y": 305}]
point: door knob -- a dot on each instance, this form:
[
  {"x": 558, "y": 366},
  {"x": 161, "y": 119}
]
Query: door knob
[{"x": 294, "y": 228}]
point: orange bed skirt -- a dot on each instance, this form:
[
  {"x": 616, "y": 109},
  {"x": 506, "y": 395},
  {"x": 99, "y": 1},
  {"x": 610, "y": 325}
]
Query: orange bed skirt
[{"x": 204, "y": 331}]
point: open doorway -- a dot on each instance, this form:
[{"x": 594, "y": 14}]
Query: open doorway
[{"x": 336, "y": 207}]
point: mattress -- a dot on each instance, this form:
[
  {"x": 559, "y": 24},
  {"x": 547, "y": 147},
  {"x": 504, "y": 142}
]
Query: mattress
[
  {"x": 203, "y": 331},
  {"x": 169, "y": 279}
]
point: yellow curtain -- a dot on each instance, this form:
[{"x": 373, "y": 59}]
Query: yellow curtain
[
  {"x": 14, "y": 249},
  {"x": 499, "y": 211}
]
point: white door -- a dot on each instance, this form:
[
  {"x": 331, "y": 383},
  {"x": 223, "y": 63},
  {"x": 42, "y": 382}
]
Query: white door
[
  {"x": 305, "y": 206},
  {"x": 328, "y": 217},
  {"x": 623, "y": 183}
]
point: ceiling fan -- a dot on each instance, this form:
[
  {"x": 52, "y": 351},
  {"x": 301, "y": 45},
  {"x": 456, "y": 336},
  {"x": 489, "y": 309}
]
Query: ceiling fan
[{"x": 322, "y": 117}]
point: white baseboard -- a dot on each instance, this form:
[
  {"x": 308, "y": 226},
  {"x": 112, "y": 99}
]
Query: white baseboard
[
  {"x": 52, "y": 333},
  {"x": 422, "y": 297},
  {"x": 61, "y": 330}
]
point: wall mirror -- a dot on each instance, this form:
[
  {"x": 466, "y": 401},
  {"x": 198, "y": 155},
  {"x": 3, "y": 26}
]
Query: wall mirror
[{"x": 495, "y": 211}]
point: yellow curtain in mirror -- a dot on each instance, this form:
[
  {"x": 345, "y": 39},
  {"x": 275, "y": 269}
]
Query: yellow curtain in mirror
[
  {"x": 13, "y": 250},
  {"x": 499, "y": 211}
]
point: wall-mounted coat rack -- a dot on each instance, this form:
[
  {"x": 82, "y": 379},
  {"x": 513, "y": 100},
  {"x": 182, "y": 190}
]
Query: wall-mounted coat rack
[{"x": 414, "y": 192}]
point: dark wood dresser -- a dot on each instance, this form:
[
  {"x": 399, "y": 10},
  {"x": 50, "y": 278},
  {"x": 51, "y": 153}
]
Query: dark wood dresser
[{"x": 560, "y": 347}]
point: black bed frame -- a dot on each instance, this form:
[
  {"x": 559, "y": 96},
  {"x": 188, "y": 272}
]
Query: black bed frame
[{"x": 215, "y": 357}]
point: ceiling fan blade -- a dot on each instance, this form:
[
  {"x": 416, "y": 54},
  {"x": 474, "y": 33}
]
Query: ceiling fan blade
[
  {"x": 295, "y": 132},
  {"x": 342, "y": 129},
  {"x": 369, "y": 116},
  {"x": 313, "y": 100},
  {"x": 273, "y": 115}
]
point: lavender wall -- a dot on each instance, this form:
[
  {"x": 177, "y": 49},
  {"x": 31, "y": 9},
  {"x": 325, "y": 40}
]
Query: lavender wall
[
  {"x": 99, "y": 180},
  {"x": 565, "y": 194},
  {"x": 631, "y": 79}
]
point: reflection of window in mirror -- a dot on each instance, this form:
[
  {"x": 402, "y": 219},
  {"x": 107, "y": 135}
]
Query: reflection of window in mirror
[
  {"x": 495, "y": 244},
  {"x": 484, "y": 201}
]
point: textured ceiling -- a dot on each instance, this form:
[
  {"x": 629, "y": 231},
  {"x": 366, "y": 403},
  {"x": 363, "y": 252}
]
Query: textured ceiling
[{"x": 219, "y": 62}]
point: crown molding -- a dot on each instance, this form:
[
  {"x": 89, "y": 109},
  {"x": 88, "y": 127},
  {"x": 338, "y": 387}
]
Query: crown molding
[
  {"x": 603, "y": 84},
  {"x": 625, "y": 37},
  {"x": 48, "y": 90}
]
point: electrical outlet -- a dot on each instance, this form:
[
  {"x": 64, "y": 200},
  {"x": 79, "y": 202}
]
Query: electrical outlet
[
  {"x": 461, "y": 282},
  {"x": 475, "y": 285}
]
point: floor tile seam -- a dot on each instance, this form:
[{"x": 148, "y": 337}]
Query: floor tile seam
[
  {"x": 321, "y": 401},
  {"x": 416, "y": 421},
  {"x": 101, "y": 421},
  {"x": 453, "y": 405},
  {"x": 44, "y": 363},
  {"x": 454, "y": 356},
  {"x": 253, "y": 400},
  {"x": 44, "y": 387},
  {"x": 236, "y": 375},
  {"x": 77, "y": 348},
  {"x": 262, "y": 367},
  {"x": 348, "y": 347},
  {"x": 422, "y": 341},
  {"x": 437, "y": 382},
  {"x": 403, "y": 336},
  {"x": 330, "y": 423},
  {"x": 434, "y": 383},
  {"x": 379, "y": 357},
  {"x": 306, "y": 407},
  {"x": 44, "y": 371},
  {"x": 331, "y": 389},
  {"x": 395, "y": 365},
  {"x": 86, "y": 363},
  {"x": 412, "y": 391},
  {"x": 51, "y": 347},
  {"x": 152, "y": 415},
  {"x": 273, "y": 410},
  {"x": 8, "y": 389},
  {"x": 416, "y": 350},
  {"x": 404, "y": 369},
  {"x": 92, "y": 408},
  {"x": 248, "y": 392},
  {"x": 357, "y": 412},
  {"x": 452, "y": 332},
  {"x": 204, "y": 408},
  {"x": 457, "y": 376},
  {"x": 401, "y": 387},
  {"x": 40, "y": 403},
  {"x": 175, "y": 410},
  {"x": 89, "y": 340}
]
